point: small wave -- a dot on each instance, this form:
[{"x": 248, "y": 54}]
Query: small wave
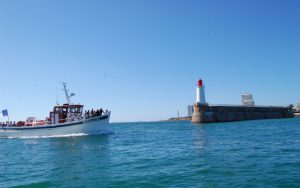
[{"x": 105, "y": 132}]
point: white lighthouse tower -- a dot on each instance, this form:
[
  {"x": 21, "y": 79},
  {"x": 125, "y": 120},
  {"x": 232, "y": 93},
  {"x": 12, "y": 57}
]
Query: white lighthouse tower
[
  {"x": 200, "y": 104},
  {"x": 200, "y": 93}
]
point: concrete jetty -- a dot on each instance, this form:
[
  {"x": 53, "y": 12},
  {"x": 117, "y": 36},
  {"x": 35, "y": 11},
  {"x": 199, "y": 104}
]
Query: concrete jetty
[{"x": 203, "y": 113}]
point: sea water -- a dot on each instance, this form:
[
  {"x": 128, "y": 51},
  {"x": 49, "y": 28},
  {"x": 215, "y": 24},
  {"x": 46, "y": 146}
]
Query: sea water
[{"x": 262, "y": 153}]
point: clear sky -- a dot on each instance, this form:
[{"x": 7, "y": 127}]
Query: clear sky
[{"x": 141, "y": 59}]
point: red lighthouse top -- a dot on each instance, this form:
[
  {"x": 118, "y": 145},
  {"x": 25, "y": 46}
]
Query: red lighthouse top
[{"x": 200, "y": 83}]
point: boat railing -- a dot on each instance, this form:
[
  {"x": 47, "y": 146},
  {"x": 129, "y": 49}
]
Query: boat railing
[{"x": 95, "y": 114}]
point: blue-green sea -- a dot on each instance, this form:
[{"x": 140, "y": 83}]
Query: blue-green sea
[{"x": 263, "y": 153}]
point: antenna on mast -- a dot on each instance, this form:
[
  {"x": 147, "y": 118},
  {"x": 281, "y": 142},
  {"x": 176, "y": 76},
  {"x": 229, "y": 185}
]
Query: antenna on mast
[{"x": 68, "y": 96}]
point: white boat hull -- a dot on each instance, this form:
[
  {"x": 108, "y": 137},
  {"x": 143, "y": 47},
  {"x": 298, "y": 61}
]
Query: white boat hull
[{"x": 91, "y": 126}]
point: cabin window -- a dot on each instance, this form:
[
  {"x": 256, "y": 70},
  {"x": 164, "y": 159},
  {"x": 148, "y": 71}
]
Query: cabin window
[{"x": 58, "y": 110}]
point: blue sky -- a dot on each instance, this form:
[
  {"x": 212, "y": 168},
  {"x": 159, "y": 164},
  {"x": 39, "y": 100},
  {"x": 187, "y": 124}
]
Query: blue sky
[{"x": 141, "y": 59}]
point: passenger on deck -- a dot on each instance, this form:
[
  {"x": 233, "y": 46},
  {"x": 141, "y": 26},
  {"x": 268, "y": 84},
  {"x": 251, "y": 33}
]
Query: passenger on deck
[
  {"x": 88, "y": 114},
  {"x": 101, "y": 111},
  {"x": 85, "y": 114}
]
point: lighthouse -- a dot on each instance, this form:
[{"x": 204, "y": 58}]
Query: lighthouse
[
  {"x": 200, "y": 93},
  {"x": 200, "y": 104}
]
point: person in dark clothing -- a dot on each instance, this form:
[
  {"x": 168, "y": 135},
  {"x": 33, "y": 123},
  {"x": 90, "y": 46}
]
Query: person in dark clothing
[
  {"x": 101, "y": 111},
  {"x": 92, "y": 113},
  {"x": 88, "y": 114}
]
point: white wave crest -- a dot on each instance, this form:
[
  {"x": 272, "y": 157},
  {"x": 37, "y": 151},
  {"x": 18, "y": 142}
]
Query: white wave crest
[
  {"x": 51, "y": 136},
  {"x": 102, "y": 132}
]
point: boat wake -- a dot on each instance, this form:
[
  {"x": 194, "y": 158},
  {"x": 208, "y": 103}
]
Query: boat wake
[
  {"x": 107, "y": 132},
  {"x": 50, "y": 136}
]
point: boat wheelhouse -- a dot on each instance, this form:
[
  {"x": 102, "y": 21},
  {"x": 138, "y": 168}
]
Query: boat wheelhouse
[{"x": 66, "y": 113}]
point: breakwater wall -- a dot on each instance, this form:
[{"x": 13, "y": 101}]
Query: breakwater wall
[{"x": 210, "y": 114}]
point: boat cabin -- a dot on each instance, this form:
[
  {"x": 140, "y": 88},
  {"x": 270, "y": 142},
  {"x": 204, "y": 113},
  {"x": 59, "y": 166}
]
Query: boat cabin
[{"x": 66, "y": 113}]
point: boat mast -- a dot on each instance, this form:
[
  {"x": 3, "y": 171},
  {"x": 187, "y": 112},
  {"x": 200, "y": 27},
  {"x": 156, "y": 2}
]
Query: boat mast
[{"x": 68, "y": 96}]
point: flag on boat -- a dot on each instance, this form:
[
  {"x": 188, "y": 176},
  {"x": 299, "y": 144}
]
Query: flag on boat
[{"x": 4, "y": 113}]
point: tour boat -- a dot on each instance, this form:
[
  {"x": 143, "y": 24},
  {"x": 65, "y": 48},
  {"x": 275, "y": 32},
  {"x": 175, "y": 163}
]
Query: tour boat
[{"x": 66, "y": 119}]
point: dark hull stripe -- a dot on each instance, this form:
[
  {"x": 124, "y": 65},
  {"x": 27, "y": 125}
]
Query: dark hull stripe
[{"x": 54, "y": 127}]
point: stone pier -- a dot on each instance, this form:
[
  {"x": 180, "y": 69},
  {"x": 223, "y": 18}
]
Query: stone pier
[{"x": 204, "y": 113}]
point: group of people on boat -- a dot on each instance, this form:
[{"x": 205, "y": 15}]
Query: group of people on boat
[
  {"x": 21, "y": 123},
  {"x": 8, "y": 124},
  {"x": 93, "y": 113}
]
